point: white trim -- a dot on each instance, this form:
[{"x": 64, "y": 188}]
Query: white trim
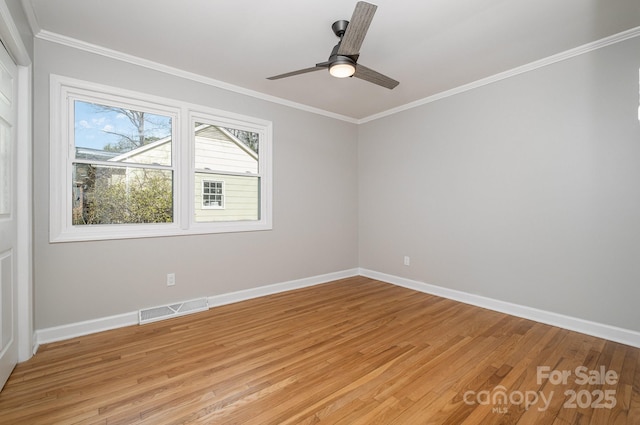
[
  {"x": 134, "y": 60},
  {"x": 586, "y": 48},
  {"x": 568, "y": 54},
  {"x": 613, "y": 333},
  {"x": 59, "y": 333},
  {"x": 24, "y": 204},
  {"x": 72, "y": 330},
  {"x": 261, "y": 291},
  {"x": 35, "y": 346},
  {"x": 11, "y": 36},
  {"x": 63, "y": 90}
]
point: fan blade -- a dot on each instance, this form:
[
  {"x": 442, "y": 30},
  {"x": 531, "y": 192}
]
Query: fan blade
[
  {"x": 298, "y": 72},
  {"x": 357, "y": 28},
  {"x": 374, "y": 77}
]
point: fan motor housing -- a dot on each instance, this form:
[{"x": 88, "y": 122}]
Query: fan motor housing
[{"x": 339, "y": 27}]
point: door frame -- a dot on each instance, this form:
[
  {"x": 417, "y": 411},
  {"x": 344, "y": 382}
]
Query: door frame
[{"x": 24, "y": 248}]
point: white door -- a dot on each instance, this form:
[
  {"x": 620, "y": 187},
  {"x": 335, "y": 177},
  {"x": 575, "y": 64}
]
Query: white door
[{"x": 8, "y": 222}]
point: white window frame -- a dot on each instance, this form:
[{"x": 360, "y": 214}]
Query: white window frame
[
  {"x": 64, "y": 90},
  {"x": 264, "y": 164},
  {"x": 222, "y": 195}
]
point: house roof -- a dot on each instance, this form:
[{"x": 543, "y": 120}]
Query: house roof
[
  {"x": 203, "y": 131},
  {"x": 94, "y": 154}
]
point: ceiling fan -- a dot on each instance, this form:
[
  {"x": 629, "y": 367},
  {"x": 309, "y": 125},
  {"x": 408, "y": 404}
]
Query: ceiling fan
[{"x": 343, "y": 61}]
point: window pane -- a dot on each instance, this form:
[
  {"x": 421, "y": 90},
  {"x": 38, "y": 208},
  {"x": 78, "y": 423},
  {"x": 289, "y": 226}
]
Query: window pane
[
  {"x": 212, "y": 196},
  {"x": 116, "y": 195},
  {"x": 235, "y": 198},
  {"x": 227, "y": 187},
  {"x": 109, "y": 133},
  {"x": 225, "y": 149}
]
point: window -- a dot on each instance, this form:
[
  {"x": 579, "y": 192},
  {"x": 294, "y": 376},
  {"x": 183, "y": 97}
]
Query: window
[
  {"x": 212, "y": 194},
  {"x": 121, "y": 166},
  {"x": 127, "y": 165},
  {"x": 227, "y": 169}
]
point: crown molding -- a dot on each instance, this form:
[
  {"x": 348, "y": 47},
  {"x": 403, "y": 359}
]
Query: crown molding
[
  {"x": 145, "y": 63},
  {"x": 568, "y": 54},
  {"x": 10, "y": 37}
]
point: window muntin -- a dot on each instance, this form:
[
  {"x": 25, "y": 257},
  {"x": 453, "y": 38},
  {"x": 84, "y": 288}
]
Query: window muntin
[
  {"x": 142, "y": 191},
  {"x": 212, "y": 194}
]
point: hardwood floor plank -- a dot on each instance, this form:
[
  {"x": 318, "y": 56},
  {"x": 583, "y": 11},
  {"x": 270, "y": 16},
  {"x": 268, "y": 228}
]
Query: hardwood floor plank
[
  {"x": 633, "y": 416},
  {"x": 355, "y": 351}
]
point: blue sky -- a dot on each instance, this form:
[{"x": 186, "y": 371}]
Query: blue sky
[{"x": 91, "y": 126}]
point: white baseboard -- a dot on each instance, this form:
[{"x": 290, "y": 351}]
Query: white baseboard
[
  {"x": 34, "y": 343},
  {"x": 612, "y": 333},
  {"x": 261, "y": 291},
  {"x": 624, "y": 336},
  {"x": 72, "y": 330}
]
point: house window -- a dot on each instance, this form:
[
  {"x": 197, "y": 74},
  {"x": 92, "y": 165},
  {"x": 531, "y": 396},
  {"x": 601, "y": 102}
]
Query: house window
[
  {"x": 128, "y": 165},
  {"x": 227, "y": 152},
  {"x": 212, "y": 194},
  {"x": 121, "y": 165}
]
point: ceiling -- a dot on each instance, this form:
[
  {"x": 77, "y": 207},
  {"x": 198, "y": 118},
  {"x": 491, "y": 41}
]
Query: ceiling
[{"x": 430, "y": 46}]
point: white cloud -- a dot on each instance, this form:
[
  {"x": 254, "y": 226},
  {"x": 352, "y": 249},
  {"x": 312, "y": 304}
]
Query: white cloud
[
  {"x": 108, "y": 127},
  {"x": 83, "y": 124}
]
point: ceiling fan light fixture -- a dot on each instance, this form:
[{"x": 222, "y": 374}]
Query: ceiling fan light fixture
[
  {"x": 343, "y": 67},
  {"x": 345, "y": 54}
]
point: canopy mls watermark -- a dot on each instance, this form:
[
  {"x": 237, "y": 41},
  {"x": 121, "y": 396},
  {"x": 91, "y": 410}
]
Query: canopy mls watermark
[{"x": 500, "y": 398}]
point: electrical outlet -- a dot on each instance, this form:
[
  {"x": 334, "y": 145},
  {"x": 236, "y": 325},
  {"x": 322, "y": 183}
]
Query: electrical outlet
[
  {"x": 171, "y": 279},
  {"x": 407, "y": 260}
]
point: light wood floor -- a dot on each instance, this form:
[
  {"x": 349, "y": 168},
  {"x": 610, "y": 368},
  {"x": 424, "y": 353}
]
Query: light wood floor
[{"x": 356, "y": 351}]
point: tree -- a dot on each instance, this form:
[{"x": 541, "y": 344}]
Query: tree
[
  {"x": 143, "y": 125},
  {"x": 248, "y": 138},
  {"x": 114, "y": 197}
]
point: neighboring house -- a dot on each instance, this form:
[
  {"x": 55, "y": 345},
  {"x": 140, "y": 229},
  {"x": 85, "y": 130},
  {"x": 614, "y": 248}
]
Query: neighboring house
[
  {"x": 81, "y": 176},
  {"x": 226, "y": 188}
]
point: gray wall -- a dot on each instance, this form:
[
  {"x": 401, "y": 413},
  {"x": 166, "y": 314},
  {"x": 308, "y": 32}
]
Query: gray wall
[
  {"x": 314, "y": 208},
  {"x": 526, "y": 190}
]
